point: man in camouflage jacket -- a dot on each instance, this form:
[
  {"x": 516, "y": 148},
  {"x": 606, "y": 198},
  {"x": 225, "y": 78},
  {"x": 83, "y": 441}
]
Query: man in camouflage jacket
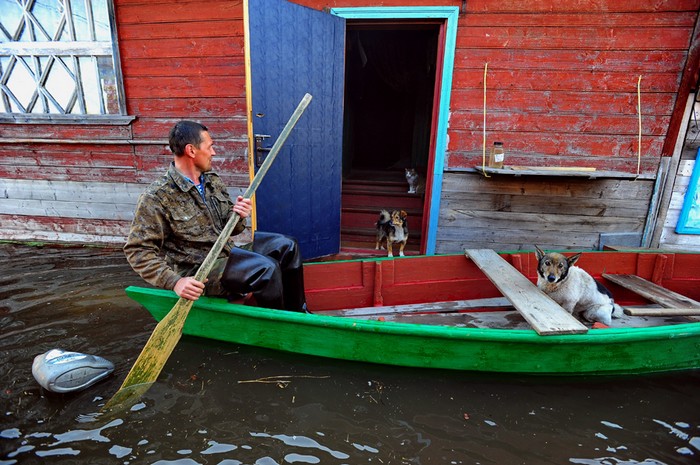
[{"x": 180, "y": 216}]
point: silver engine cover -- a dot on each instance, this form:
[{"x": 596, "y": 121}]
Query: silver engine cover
[{"x": 60, "y": 371}]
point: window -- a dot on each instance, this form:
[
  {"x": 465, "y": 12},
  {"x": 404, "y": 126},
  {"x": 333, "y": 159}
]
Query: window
[{"x": 59, "y": 57}]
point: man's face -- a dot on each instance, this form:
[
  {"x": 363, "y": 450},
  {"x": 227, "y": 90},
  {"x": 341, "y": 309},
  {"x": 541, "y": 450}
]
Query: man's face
[{"x": 204, "y": 153}]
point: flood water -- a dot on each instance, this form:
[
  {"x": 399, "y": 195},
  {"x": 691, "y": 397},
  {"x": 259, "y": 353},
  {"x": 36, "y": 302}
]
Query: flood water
[{"x": 218, "y": 403}]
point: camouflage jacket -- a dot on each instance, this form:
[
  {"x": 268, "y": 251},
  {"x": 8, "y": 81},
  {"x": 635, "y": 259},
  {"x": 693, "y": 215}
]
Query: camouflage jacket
[{"x": 174, "y": 229}]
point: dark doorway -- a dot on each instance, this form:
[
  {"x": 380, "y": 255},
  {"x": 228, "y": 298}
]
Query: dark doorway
[
  {"x": 388, "y": 112},
  {"x": 389, "y": 90}
]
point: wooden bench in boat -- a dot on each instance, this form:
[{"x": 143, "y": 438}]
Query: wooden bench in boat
[
  {"x": 544, "y": 315},
  {"x": 449, "y": 306},
  {"x": 673, "y": 303},
  {"x": 661, "y": 311}
]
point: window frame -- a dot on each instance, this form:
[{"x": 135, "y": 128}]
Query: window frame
[{"x": 70, "y": 48}]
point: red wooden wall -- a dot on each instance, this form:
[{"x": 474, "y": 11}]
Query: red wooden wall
[
  {"x": 562, "y": 79},
  {"x": 184, "y": 61},
  {"x": 561, "y": 90}
]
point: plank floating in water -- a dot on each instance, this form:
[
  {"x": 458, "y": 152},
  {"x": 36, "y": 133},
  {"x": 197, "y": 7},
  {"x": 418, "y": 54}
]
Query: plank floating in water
[
  {"x": 544, "y": 315},
  {"x": 427, "y": 307}
]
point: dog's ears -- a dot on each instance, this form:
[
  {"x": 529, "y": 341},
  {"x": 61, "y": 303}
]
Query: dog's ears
[
  {"x": 539, "y": 253},
  {"x": 403, "y": 214},
  {"x": 573, "y": 259}
]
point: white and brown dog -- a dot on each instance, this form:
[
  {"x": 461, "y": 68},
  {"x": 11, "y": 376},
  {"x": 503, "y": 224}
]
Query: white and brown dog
[
  {"x": 392, "y": 228},
  {"x": 574, "y": 289}
]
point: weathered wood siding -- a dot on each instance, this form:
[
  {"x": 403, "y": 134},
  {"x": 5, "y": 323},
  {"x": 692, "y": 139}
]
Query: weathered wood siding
[
  {"x": 561, "y": 90},
  {"x": 80, "y": 182},
  {"x": 669, "y": 239},
  {"x": 509, "y": 213},
  {"x": 675, "y": 183},
  {"x": 182, "y": 61}
]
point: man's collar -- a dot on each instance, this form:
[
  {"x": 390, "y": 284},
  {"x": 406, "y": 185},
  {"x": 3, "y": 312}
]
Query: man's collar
[
  {"x": 179, "y": 178},
  {"x": 182, "y": 181}
]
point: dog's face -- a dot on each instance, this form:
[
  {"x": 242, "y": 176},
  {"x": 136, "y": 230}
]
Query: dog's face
[
  {"x": 398, "y": 217},
  {"x": 554, "y": 267}
]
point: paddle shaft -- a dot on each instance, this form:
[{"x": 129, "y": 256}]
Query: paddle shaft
[
  {"x": 167, "y": 333},
  {"x": 221, "y": 241}
]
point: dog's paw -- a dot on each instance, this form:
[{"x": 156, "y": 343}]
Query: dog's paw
[
  {"x": 598, "y": 315},
  {"x": 618, "y": 311},
  {"x": 401, "y": 254}
]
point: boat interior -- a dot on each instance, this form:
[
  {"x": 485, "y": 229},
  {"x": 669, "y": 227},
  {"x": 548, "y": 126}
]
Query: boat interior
[{"x": 483, "y": 289}]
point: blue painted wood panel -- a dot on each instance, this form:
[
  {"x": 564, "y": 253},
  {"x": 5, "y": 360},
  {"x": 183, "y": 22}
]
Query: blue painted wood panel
[{"x": 295, "y": 50}]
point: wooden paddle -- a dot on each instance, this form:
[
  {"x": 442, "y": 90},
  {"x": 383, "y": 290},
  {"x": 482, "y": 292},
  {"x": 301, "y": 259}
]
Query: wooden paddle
[{"x": 168, "y": 332}]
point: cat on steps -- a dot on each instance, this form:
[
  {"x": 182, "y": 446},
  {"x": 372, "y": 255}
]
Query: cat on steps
[{"x": 416, "y": 182}]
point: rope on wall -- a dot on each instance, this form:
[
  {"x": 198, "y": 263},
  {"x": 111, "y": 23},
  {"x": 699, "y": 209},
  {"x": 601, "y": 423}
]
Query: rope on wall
[
  {"x": 639, "y": 113},
  {"x": 483, "y": 142}
]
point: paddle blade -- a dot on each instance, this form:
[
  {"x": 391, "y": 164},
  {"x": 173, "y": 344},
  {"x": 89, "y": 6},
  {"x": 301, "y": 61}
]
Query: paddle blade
[
  {"x": 157, "y": 350},
  {"x": 124, "y": 399}
]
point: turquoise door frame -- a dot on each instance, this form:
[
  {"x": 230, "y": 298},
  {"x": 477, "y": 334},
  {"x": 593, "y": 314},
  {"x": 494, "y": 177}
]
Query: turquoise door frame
[{"x": 450, "y": 15}]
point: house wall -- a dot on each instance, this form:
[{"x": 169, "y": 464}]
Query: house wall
[
  {"x": 665, "y": 236},
  {"x": 669, "y": 239},
  {"x": 561, "y": 91},
  {"x": 514, "y": 213},
  {"x": 80, "y": 182}
]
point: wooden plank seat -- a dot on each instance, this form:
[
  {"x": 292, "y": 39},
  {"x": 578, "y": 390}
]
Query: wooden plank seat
[
  {"x": 668, "y": 299},
  {"x": 661, "y": 311},
  {"x": 544, "y": 315},
  {"x": 449, "y": 306}
]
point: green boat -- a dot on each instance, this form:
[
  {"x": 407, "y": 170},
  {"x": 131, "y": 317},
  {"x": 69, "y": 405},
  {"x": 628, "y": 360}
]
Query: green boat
[{"x": 479, "y": 312}]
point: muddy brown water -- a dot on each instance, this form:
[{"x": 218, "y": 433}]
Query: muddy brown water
[{"x": 218, "y": 403}]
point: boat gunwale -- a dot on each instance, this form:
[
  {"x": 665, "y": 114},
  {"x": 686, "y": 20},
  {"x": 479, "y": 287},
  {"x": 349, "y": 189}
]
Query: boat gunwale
[{"x": 595, "y": 336}]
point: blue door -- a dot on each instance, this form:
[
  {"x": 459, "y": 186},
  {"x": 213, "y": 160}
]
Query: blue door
[{"x": 295, "y": 50}]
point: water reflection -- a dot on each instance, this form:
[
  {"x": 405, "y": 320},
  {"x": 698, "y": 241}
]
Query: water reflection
[{"x": 219, "y": 403}]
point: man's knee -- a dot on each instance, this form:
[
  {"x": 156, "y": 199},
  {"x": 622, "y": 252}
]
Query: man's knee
[
  {"x": 249, "y": 272},
  {"x": 279, "y": 247},
  {"x": 267, "y": 271}
]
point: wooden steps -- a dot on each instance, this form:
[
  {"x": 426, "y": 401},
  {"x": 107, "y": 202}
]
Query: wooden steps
[
  {"x": 364, "y": 196},
  {"x": 364, "y": 217},
  {"x": 393, "y": 201},
  {"x": 380, "y": 194},
  {"x": 367, "y": 235}
]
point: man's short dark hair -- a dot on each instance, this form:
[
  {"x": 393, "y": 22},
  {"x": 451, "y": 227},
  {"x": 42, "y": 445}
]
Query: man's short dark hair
[{"x": 183, "y": 133}]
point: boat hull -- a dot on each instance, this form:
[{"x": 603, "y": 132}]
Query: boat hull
[{"x": 605, "y": 351}]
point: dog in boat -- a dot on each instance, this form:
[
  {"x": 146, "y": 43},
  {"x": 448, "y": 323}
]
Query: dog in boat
[
  {"x": 574, "y": 289},
  {"x": 392, "y": 228}
]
